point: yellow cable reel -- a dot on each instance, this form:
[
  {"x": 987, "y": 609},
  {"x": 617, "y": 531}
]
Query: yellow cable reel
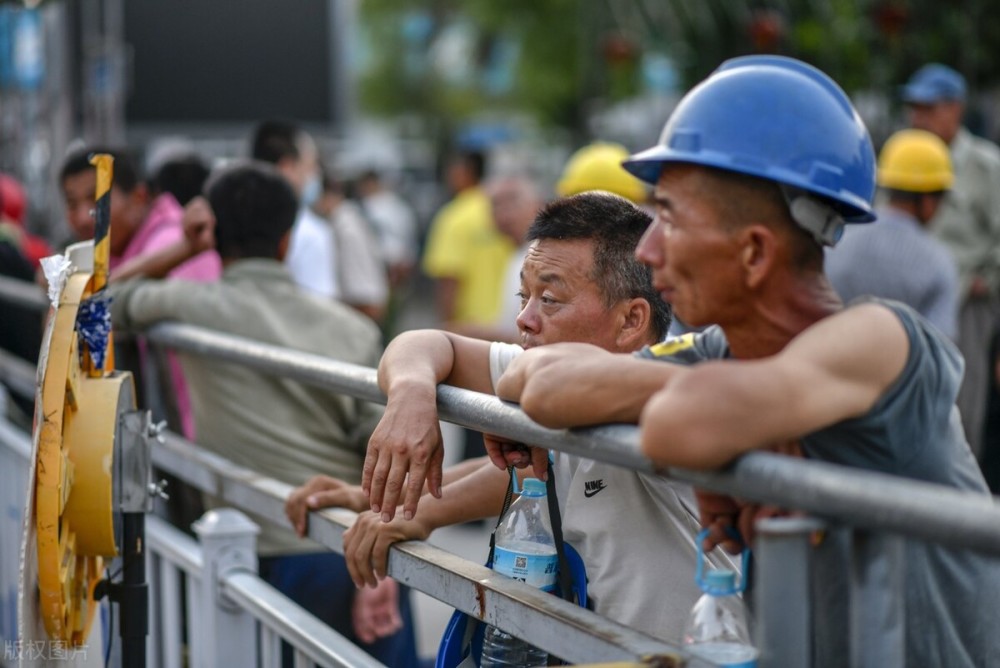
[{"x": 76, "y": 487}]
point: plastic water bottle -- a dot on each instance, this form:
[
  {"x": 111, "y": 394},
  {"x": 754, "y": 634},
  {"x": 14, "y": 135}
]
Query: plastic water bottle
[
  {"x": 717, "y": 629},
  {"x": 524, "y": 550}
]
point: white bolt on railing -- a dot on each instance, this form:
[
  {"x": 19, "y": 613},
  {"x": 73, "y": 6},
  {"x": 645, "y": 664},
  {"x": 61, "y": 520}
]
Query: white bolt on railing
[{"x": 229, "y": 544}]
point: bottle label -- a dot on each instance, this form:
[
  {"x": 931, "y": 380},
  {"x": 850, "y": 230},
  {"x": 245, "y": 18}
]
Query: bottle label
[{"x": 537, "y": 569}]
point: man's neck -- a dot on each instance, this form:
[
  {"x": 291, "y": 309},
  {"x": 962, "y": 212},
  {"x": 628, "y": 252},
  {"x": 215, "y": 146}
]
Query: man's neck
[{"x": 774, "y": 320}]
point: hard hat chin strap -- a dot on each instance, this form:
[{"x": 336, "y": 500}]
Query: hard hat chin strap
[{"x": 814, "y": 216}]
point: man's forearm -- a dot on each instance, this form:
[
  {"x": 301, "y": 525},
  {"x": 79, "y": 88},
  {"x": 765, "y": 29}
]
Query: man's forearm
[
  {"x": 609, "y": 389},
  {"x": 462, "y": 469},
  {"x": 418, "y": 360},
  {"x": 156, "y": 264},
  {"x": 475, "y": 496}
]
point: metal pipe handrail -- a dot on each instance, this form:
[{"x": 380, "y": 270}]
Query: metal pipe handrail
[
  {"x": 16, "y": 440},
  {"x": 861, "y": 498},
  {"x": 23, "y": 293},
  {"x": 17, "y": 374}
]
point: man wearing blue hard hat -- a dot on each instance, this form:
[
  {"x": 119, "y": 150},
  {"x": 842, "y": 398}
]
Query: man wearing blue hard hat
[
  {"x": 968, "y": 222},
  {"x": 758, "y": 168}
]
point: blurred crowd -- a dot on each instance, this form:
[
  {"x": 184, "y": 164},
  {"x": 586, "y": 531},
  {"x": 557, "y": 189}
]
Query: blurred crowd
[{"x": 285, "y": 250}]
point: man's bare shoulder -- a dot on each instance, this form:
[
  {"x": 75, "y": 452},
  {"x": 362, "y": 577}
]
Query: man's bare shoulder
[
  {"x": 872, "y": 318},
  {"x": 863, "y": 341}
]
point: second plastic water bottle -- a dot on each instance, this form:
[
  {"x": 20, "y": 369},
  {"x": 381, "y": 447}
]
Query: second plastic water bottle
[
  {"x": 717, "y": 629},
  {"x": 524, "y": 550}
]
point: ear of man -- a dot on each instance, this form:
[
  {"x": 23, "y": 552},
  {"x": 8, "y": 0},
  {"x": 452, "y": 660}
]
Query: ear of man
[
  {"x": 634, "y": 325},
  {"x": 760, "y": 247}
]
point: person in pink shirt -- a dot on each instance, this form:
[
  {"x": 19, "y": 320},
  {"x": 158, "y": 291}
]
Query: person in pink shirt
[{"x": 139, "y": 227}]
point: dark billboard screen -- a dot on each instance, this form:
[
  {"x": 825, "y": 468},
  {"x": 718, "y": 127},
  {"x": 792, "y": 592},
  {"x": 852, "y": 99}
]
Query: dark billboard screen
[{"x": 229, "y": 60}]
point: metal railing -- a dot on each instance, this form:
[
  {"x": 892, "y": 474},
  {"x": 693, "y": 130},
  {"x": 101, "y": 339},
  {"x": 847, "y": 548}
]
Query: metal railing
[
  {"x": 881, "y": 509},
  {"x": 22, "y": 293},
  {"x": 15, "y": 452},
  {"x": 570, "y": 631},
  {"x": 865, "y": 499},
  {"x": 232, "y": 616},
  {"x": 562, "y": 629}
]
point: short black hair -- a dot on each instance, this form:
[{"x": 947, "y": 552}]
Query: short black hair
[
  {"x": 615, "y": 225},
  {"x": 475, "y": 161},
  {"x": 274, "y": 141},
  {"x": 369, "y": 175},
  {"x": 125, "y": 174},
  {"x": 183, "y": 177},
  {"x": 254, "y": 208}
]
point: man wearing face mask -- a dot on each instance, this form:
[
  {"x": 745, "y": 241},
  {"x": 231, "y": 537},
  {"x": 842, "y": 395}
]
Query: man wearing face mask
[{"x": 312, "y": 252}]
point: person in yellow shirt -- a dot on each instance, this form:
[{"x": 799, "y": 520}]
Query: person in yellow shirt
[{"x": 465, "y": 252}]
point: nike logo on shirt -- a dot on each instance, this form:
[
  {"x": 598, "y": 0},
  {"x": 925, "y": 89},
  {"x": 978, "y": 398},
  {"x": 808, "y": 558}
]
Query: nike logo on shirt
[{"x": 592, "y": 487}]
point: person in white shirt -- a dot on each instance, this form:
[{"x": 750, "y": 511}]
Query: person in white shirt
[
  {"x": 312, "y": 254},
  {"x": 394, "y": 223}
]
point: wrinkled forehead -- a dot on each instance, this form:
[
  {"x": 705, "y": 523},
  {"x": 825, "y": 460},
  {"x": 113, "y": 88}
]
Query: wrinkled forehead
[{"x": 565, "y": 262}]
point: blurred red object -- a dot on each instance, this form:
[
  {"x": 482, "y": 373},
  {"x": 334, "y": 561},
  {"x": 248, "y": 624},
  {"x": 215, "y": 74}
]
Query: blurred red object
[
  {"x": 13, "y": 201},
  {"x": 767, "y": 29},
  {"x": 13, "y": 207}
]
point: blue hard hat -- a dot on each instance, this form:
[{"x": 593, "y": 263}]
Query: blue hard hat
[
  {"x": 934, "y": 83},
  {"x": 776, "y": 118}
]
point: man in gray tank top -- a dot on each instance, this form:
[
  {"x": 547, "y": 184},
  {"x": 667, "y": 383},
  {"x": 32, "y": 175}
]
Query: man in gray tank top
[{"x": 759, "y": 167}]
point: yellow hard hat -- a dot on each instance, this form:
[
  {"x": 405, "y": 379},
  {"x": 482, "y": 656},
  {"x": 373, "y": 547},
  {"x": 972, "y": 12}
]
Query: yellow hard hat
[
  {"x": 598, "y": 166},
  {"x": 915, "y": 161}
]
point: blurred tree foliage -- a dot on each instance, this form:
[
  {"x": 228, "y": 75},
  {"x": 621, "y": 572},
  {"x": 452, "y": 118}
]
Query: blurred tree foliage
[
  {"x": 567, "y": 56},
  {"x": 408, "y": 68},
  {"x": 860, "y": 43}
]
